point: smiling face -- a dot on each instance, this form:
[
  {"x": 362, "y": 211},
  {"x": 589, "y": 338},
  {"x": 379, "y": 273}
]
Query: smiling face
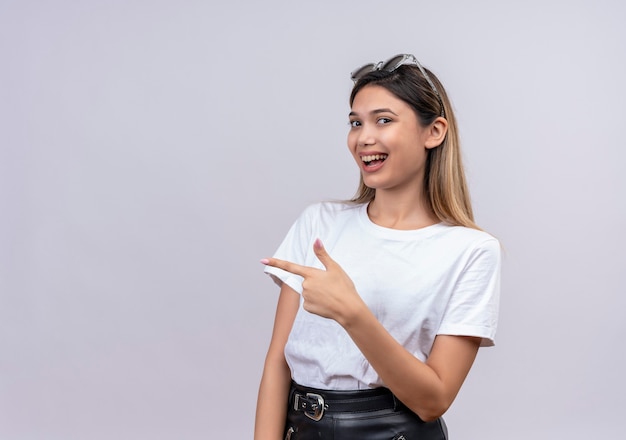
[{"x": 387, "y": 141}]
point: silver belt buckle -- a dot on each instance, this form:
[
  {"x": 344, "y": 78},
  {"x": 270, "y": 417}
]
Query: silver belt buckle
[{"x": 318, "y": 407}]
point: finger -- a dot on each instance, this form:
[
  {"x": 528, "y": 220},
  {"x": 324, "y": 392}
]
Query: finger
[
  {"x": 322, "y": 255},
  {"x": 288, "y": 266}
]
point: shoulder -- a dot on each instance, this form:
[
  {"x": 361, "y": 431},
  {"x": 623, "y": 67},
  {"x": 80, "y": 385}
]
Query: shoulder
[
  {"x": 468, "y": 235},
  {"x": 331, "y": 210},
  {"x": 470, "y": 241}
]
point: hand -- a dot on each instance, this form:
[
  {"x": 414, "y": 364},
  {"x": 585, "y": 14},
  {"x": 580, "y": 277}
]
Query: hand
[{"x": 329, "y": 293}]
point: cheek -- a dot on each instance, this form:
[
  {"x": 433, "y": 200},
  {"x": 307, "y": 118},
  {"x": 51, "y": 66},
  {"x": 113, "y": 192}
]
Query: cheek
[{"x": 351, "y": 142}]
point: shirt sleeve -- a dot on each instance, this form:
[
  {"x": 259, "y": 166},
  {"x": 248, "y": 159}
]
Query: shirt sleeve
[
  {"x": 473, "y": 306},
  {"x": 295, "y": 247}
]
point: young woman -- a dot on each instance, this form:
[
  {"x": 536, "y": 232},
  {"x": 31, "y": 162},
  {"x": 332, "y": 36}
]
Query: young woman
[{"x": 384, "y": 299}]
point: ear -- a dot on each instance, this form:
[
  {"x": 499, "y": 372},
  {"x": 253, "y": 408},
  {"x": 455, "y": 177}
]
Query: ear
[{"x": 436, "y": 133}]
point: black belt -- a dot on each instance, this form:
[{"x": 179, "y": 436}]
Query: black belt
[{"x": 314, "y": 402}]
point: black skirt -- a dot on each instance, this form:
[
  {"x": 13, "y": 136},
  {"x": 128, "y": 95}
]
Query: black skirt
[{"x": 374, "y": 414}]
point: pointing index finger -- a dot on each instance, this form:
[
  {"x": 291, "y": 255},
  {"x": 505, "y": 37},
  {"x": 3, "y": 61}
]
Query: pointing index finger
[{"x": 288, "y": 266}]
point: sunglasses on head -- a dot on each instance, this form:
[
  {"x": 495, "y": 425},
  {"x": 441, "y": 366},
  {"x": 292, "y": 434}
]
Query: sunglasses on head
[{"x": 392, "y": 64}]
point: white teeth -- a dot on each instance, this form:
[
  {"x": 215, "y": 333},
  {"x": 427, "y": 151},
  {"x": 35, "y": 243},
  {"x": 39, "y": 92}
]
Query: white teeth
[{"x": 373, "y": 157}]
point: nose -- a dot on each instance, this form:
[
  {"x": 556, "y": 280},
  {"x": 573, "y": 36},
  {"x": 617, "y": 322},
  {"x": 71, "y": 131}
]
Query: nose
[{"x": 366, "y": 136}]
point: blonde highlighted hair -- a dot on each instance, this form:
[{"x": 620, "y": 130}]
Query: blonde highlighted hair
[{"x": 445, "y": 185}]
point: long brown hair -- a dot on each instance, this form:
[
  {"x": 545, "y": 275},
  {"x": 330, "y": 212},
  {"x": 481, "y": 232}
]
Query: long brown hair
[{"x": 444, "y": 178}]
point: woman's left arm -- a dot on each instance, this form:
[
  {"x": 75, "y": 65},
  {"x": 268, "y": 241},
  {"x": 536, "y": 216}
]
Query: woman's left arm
[{"x": 427, "y": 388}]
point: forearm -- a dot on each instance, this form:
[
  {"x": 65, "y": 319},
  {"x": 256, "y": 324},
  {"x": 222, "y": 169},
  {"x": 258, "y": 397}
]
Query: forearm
[
  {"x": 271, "y": 410},
  {"x": 426, "y": 389}
]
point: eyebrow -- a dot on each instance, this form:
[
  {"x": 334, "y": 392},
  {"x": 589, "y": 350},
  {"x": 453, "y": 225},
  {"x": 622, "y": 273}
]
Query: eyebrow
[{"x": 375, "y": 112}]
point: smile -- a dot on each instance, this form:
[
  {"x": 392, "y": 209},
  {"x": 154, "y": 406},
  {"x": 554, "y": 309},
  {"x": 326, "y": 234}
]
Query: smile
[{"x": 373, "y": 158}]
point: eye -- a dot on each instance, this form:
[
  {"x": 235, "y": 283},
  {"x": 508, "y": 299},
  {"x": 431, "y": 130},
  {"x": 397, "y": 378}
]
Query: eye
[
  {"x": 355, "y": 123},
  {"x": 383, "y": 121}
]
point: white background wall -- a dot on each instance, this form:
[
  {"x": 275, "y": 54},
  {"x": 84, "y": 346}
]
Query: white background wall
[{"x": 151, "y": 152}]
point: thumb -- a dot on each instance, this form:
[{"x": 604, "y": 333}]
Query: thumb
[{"x": 322, "y": 255}]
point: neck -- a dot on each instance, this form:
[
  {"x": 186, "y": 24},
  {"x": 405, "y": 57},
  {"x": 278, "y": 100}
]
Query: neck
[{"x": 401, "y": 210}]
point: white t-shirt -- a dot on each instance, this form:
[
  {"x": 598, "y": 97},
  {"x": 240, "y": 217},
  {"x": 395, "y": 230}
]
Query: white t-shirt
[{"x": 419, "y": 283}]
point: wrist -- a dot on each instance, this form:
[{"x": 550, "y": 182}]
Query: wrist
[{"x": 352, "y": 316}]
